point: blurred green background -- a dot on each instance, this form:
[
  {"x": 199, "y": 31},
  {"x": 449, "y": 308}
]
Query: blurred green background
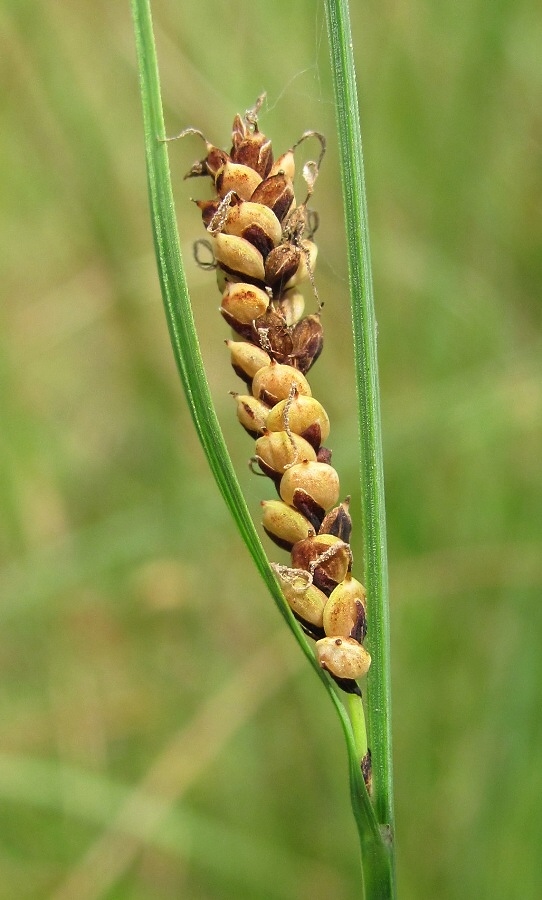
[{"x": 161, "y": 736}]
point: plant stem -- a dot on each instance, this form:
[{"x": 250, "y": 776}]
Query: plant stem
[
  {"x": 364, "y": 329},
  {"x": 357, "y": 718}
]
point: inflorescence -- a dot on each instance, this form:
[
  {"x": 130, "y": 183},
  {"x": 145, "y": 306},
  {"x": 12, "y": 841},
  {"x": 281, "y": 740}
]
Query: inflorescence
[{"x": 261, "y": 244}]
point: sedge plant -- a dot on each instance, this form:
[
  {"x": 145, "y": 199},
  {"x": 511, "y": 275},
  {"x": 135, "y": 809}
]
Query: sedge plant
[{"x": 257, "y": 233}]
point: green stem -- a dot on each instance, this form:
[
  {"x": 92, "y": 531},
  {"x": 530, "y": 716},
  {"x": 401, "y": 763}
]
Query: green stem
[
  {"x": 364, "y": 329},
  {"x": 357, "y": 718}
]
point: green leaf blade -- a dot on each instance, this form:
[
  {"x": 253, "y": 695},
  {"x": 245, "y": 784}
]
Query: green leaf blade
[{"x": 365, "y": 353}]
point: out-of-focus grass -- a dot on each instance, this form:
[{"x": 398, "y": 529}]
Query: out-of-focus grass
[{"x": 136, "y": 641}]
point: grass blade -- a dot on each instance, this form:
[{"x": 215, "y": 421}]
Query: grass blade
[{"x": 364, "y": 330}]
